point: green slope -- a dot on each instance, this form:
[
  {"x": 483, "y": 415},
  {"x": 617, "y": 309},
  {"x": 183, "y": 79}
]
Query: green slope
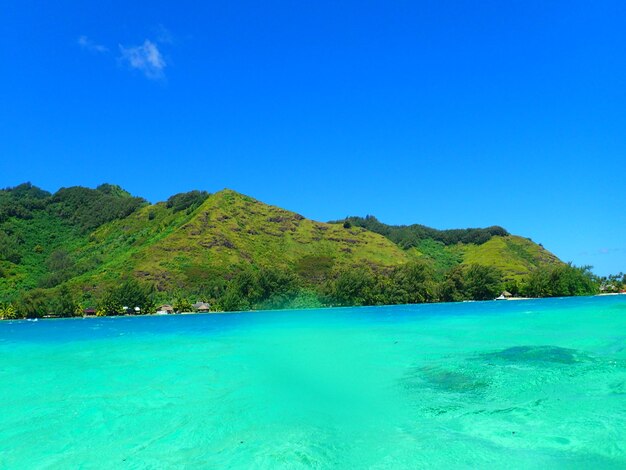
[
  {"x": 42, "y": 235},
  {"x": 515, "y": 257},
  {"x": 89, "y": 239},
  {"x": 229, "y": 230}
]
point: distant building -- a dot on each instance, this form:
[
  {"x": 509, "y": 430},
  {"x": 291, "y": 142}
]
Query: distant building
[
  {"x": 89, "y": 311},
  {"x": 504, "y": 296},
  {"x": 201, "y": 307},
  {"x": 166, "y": 308}
]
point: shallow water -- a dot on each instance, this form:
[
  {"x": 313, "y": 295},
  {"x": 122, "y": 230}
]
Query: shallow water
[{"x": 527, "y": 384}]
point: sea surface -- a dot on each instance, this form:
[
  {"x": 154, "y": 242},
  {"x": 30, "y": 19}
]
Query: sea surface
[{"x": 511, "y": 384}]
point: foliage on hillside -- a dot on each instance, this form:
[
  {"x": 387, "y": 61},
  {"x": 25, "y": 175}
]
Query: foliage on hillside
[
  {"x": 186, "y": 201},
  {"x": 21, "y": 201},
  {"x": 230, "y": 230},
  {"x": 40, "y": 232},
  {"x": 103, "y": 248},
  {"x": 471, "y": 282},
  {"x": 560, "y": 281},
  {"x": 87, "y": 208},
  {"x": 263, "y": 288},
  {"x": 410, "y": 236},
  {"x": 515, "y": 257}
]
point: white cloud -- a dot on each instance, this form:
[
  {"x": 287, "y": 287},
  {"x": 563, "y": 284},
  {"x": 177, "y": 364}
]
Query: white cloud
[
  {"x": 146, "y": 58},
  {"x": 91, "y": 46}
]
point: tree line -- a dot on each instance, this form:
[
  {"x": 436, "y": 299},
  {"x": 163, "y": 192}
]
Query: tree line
[
  {"x": 408, "y": 236},
  {"x": 85, "y": 208},
  {"x": 274, "y": 288}
]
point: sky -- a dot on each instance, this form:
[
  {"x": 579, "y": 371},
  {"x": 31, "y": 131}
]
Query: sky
[{"x": 444, "y": 113}]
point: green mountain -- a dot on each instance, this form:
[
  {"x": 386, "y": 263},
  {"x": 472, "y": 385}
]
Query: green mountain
[
  {"x": 80, "y": 244},
  {"x": 515, "y": 257},
  {"x": 225, "y": 233},
  {"x": 85, "y": 237}
]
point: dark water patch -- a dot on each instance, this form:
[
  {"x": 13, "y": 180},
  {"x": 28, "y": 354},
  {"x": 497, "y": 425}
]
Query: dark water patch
[
  {"x": 539, "y": 354},
  {"x": 522, "y": 409},
  {"x": 442, "y": 409},
  {"x": 618, "y": 388},
  {"x": 446, "y": 380}
]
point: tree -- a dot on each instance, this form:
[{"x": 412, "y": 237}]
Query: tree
[
  {"x": 233, "y": 300},
  {"x": 407, "y": 236},
  {"x": 352, "y": 287},
  {"x": 32, "y": 304},
  {"x": 129, "y": 293},
  {"x": 275, "y": 283},
  {"x": 65, "y": 304},
  {"x": 8, "y": 312},
  {"x": 181, "y": 304},
  {"x": 59, "y": 260},
  {"x": 452, "y": 289},
  {"x": 482, "y": 282},
  {"x": 60, "y": 268},
  {"x": 110, "y": 304},
  {"x": 412, "y": 283},
  {"x": 538, "y": 283},
  {"x": 471, "y": 282},
  {"x": 561, "y": 281},
  {"x": 189, "y": 201},
  {"x": 9, "y": 248}
]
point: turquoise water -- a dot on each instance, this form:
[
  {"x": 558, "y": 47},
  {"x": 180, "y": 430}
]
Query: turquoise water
[{"x": 527, "y": 384}]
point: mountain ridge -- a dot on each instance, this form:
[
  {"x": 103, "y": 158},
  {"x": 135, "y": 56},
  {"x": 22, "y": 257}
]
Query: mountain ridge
[{"x": 196, "y": 243}]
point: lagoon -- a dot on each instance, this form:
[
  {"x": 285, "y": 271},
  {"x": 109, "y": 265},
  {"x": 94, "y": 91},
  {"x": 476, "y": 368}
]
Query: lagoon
[{"x": 527, "y": 384}]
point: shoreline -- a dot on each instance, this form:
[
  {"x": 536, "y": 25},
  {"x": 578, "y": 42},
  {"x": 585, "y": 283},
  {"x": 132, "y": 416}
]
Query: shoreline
[{"x": 83, "y": 317}]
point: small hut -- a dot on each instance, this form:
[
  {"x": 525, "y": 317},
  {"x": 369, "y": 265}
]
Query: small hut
[
  {"x": 201, "y": 307},
  {"x": 166, "y": 308},
  {"x": 89, "y": 311},
  {"x": 504, "y": 296}
]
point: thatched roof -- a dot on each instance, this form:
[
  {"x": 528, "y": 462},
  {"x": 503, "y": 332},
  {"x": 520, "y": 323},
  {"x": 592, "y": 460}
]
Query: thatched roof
[{"x": 201, "y": 306}]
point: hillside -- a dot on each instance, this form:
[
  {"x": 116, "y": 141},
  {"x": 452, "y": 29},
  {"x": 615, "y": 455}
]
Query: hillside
[
  {"x": 515, "y": 257},
  {"x": 228, "y": 232},
  {"x": 52, "y": 239},
  {"x": 81, "y": 243}
]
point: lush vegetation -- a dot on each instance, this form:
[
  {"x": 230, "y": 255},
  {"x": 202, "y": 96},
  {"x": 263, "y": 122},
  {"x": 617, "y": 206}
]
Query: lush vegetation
[
  {"x": 87, "y": 208},
  {"x": 21, "y": 201},
  {"x": 105, "y": 250},
  {"x": 515, "y": 257},
  {"x": 265, "y": 288},
  {"x": 613, "y": 283},
  {"x": 560, "y": 281},
  {"x": 409, "y": 236},
  {"x": 186, "y": 201}
]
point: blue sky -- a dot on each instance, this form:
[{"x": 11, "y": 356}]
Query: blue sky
[{"x": 449, "y": 114}]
